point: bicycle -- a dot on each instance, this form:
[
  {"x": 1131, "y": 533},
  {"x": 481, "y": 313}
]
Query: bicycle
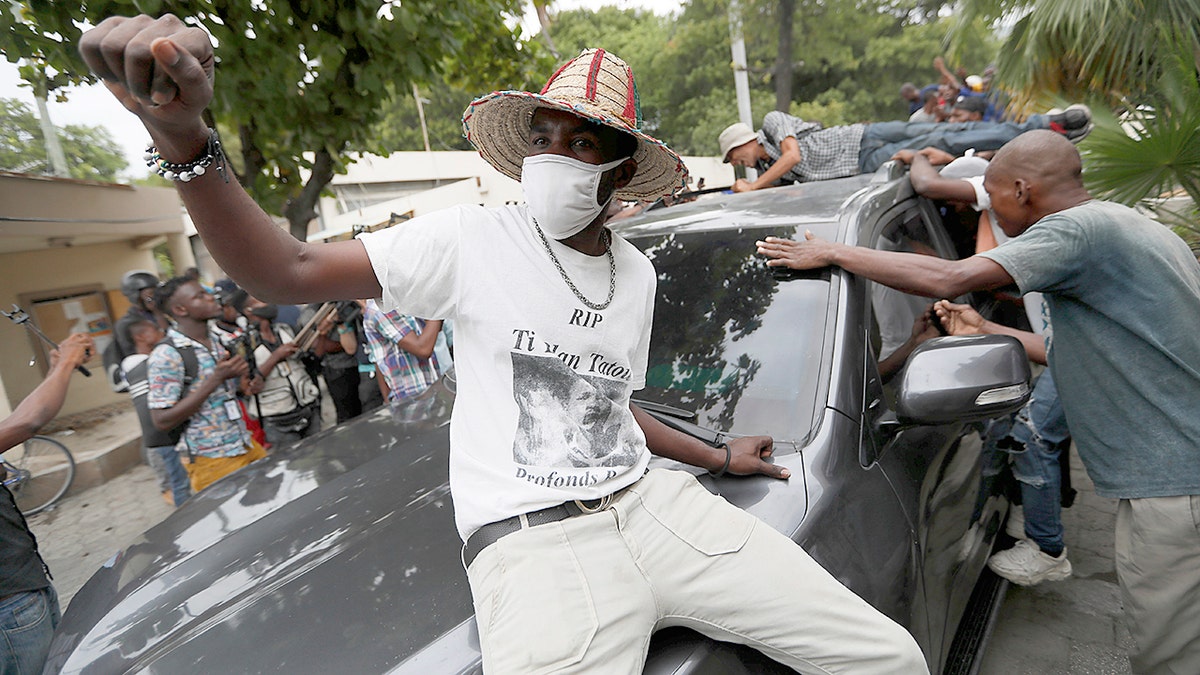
[{"x": 38, "y": 473}]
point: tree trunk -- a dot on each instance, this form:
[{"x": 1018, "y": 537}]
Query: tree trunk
[
  {"x": 783, "y": 56},
  {"x": 542, "y": 8},
  {"x": 252, "y": 157},
  {"x": 303, "y": 208}
]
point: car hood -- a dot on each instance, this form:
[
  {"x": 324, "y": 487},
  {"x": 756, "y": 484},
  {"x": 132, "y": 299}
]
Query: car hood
[
  {"x": 338, "y": 554},
  {"x": 347, "y": 542}
]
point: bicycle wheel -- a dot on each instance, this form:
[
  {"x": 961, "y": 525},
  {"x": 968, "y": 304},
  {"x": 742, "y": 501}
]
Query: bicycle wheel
[{"x": 47, "y": 469}]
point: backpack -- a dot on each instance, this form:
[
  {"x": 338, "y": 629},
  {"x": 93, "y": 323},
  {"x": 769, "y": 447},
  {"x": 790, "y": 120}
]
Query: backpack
[
  {"x": 191, "y": 368},
  {"x": 112, "y": 357}
]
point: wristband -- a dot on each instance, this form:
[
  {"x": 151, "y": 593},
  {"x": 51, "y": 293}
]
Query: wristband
[{"x": 725, "y": 467}]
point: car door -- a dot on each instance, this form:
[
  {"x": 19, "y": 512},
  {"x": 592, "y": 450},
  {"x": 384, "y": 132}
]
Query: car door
[{"x": 937, "y": 472}]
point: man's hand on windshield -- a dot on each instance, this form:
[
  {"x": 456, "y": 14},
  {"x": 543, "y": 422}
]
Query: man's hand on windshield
[
  {"x": 812, "y": 253},
  {"x": 747, "y": 457},
  {"x": 743, "y": 185}
]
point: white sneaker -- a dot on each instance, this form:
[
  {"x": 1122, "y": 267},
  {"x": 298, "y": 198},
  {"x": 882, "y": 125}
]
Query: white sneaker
[
  {"x": 1015, "y": 526},
  {"x": 1026, "y": 565}
]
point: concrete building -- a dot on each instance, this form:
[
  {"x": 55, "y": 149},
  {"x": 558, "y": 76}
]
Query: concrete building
[
  {"x": 64, "y": 245},
  {"x": 380, "y": 191}
]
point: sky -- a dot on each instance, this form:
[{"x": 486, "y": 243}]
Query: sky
[{"x": 94, "y": 106}]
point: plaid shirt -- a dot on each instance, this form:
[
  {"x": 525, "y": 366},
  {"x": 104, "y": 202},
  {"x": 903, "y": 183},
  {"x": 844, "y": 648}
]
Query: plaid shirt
[
  {"x": 405, "y": 374},
  {"x": 824, "y": 153}
]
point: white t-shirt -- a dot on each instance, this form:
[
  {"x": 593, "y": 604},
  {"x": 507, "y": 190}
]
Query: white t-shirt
[
  {"x": 542, "y": 409},
  {"x": 1035, "y": 309}
]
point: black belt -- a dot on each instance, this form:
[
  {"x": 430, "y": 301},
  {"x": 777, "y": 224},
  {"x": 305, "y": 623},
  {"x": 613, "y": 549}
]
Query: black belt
[{"x": 492, "y": 532}]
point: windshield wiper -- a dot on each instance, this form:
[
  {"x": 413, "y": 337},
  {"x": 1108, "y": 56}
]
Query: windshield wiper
[
  {"x": 651, "y": 406},
  {"x": 709, "y": 436}
]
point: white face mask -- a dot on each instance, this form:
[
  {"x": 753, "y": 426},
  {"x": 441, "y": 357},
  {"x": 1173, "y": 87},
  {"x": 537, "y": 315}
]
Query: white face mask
[{"x": 561, "y": 192}]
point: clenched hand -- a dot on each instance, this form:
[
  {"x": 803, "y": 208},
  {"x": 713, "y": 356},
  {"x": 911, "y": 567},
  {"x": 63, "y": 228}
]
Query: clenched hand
[{"x": 161, "y": 70}]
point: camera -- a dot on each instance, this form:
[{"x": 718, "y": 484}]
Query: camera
[
  {"x": 244, "y": 345},
  {"x": 348, "y": 311}
]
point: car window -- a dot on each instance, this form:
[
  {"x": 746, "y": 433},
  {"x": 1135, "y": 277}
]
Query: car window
[
  {"x": 910, "y": 229},
  {"x": 733, "y": 341}
]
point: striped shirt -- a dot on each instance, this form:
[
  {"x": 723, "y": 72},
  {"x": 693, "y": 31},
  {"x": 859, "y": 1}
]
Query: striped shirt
[{"x": 824, "y": 153}]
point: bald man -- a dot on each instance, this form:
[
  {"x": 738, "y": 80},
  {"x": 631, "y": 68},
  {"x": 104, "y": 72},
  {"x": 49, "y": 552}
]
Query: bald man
[{"x": 1124, "y": 295}]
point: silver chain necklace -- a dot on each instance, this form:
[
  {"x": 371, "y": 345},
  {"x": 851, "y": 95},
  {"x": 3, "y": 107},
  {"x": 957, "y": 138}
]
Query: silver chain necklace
[{"x": 612, "y": 269}]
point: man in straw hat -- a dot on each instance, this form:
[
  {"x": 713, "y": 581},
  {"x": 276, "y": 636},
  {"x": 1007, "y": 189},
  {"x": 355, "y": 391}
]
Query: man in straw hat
[
  {"x": 788, "y": 149},
  {"x": 575, "y": 553}
]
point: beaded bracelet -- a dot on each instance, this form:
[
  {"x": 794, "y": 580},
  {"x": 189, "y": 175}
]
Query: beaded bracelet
[{"x": 184, "y": 172}]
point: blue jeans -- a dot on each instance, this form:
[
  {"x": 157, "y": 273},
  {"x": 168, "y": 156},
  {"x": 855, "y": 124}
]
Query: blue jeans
[
  {"x": 881, "y": 140},
  {"x": 177, "y": 478},
  {"x": 1035, "y": 437},
  {"x": 27, "y": 623}
]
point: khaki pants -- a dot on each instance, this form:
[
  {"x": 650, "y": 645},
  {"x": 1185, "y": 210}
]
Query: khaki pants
[
  {"x": 204, "y": 471},
  {"x": 584, "y": 594},
  {"x": 1158, "y": 566}
]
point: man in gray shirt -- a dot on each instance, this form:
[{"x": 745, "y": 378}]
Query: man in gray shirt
[{"x": 1124, "y": 295}]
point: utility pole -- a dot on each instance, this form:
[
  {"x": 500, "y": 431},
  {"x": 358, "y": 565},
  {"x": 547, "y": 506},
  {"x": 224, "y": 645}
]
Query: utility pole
[
  {"x": 54, "y": 151},
  {"x": 741, "y": 80},
  {"x": 421, "y": 114}
]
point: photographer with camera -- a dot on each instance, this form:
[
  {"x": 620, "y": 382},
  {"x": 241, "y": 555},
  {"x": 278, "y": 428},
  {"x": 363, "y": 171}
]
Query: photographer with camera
[
  {"x": 341, "y": 348},
  {"x": 289, "y": 405},
  {"x": 193, "y": 382}
]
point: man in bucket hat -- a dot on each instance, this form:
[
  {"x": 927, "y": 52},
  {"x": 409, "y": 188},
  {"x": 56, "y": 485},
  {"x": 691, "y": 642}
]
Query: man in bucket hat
[
  {"x": 790, "y": 149},
  {"x": 574, "y": 552}
]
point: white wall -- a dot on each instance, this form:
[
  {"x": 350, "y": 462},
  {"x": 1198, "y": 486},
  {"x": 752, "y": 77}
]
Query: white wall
[{"x": 47, "y": 270}]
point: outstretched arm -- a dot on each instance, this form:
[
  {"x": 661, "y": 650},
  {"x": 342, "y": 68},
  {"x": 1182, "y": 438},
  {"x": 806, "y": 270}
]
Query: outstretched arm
[
  {"x": 162, "y": 71},
  {"x": 925, "y": 275},
  {"x": 44, "y": 402},
  {"x": 948, "y": 77},
  {"x": 928, "y": 182},
  {"x": 788, "y": 159},
  {"x": 964, "y": 320},
  {"x": 746, "y": 455}
]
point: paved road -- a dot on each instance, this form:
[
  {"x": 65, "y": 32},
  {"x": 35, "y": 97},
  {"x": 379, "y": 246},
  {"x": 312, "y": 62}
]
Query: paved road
[
  {"x": 1068, "y": 627},
  {"x": 84, "y": 530},
  {"x": 1074, "y": 626}
]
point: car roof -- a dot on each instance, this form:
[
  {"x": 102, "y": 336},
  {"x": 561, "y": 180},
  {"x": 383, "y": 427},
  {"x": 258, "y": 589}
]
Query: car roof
[{"x": 814, "y": 205}]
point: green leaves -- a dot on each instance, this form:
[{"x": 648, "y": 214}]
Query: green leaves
[
  {"x": 1096, "y": 49},
  {"x": 1152, "y": 147},
  {"x": 305, "y": 76},
  {"x": 91, "y": 152}
]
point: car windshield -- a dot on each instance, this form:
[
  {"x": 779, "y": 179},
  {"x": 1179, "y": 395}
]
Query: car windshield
[{"x": 734, "y": 341}]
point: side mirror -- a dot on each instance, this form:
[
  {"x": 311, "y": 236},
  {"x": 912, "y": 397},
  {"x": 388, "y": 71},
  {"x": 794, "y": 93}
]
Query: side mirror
[{"x": 967, "y": 378}]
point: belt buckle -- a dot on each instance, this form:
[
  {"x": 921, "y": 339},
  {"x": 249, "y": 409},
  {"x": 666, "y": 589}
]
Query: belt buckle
[{"x": 601, "y": 504}]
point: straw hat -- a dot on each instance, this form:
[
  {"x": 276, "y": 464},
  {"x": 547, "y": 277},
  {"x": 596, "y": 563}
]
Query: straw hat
[{"x": 596, "y": 86}]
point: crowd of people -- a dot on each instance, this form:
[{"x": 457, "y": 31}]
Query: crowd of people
[
  {"x": 936, "y": 102},
  {"x": 516, "y": 280},
  {"x": 1039, "y": 242},
  {"x": 219, "y": 377}
]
